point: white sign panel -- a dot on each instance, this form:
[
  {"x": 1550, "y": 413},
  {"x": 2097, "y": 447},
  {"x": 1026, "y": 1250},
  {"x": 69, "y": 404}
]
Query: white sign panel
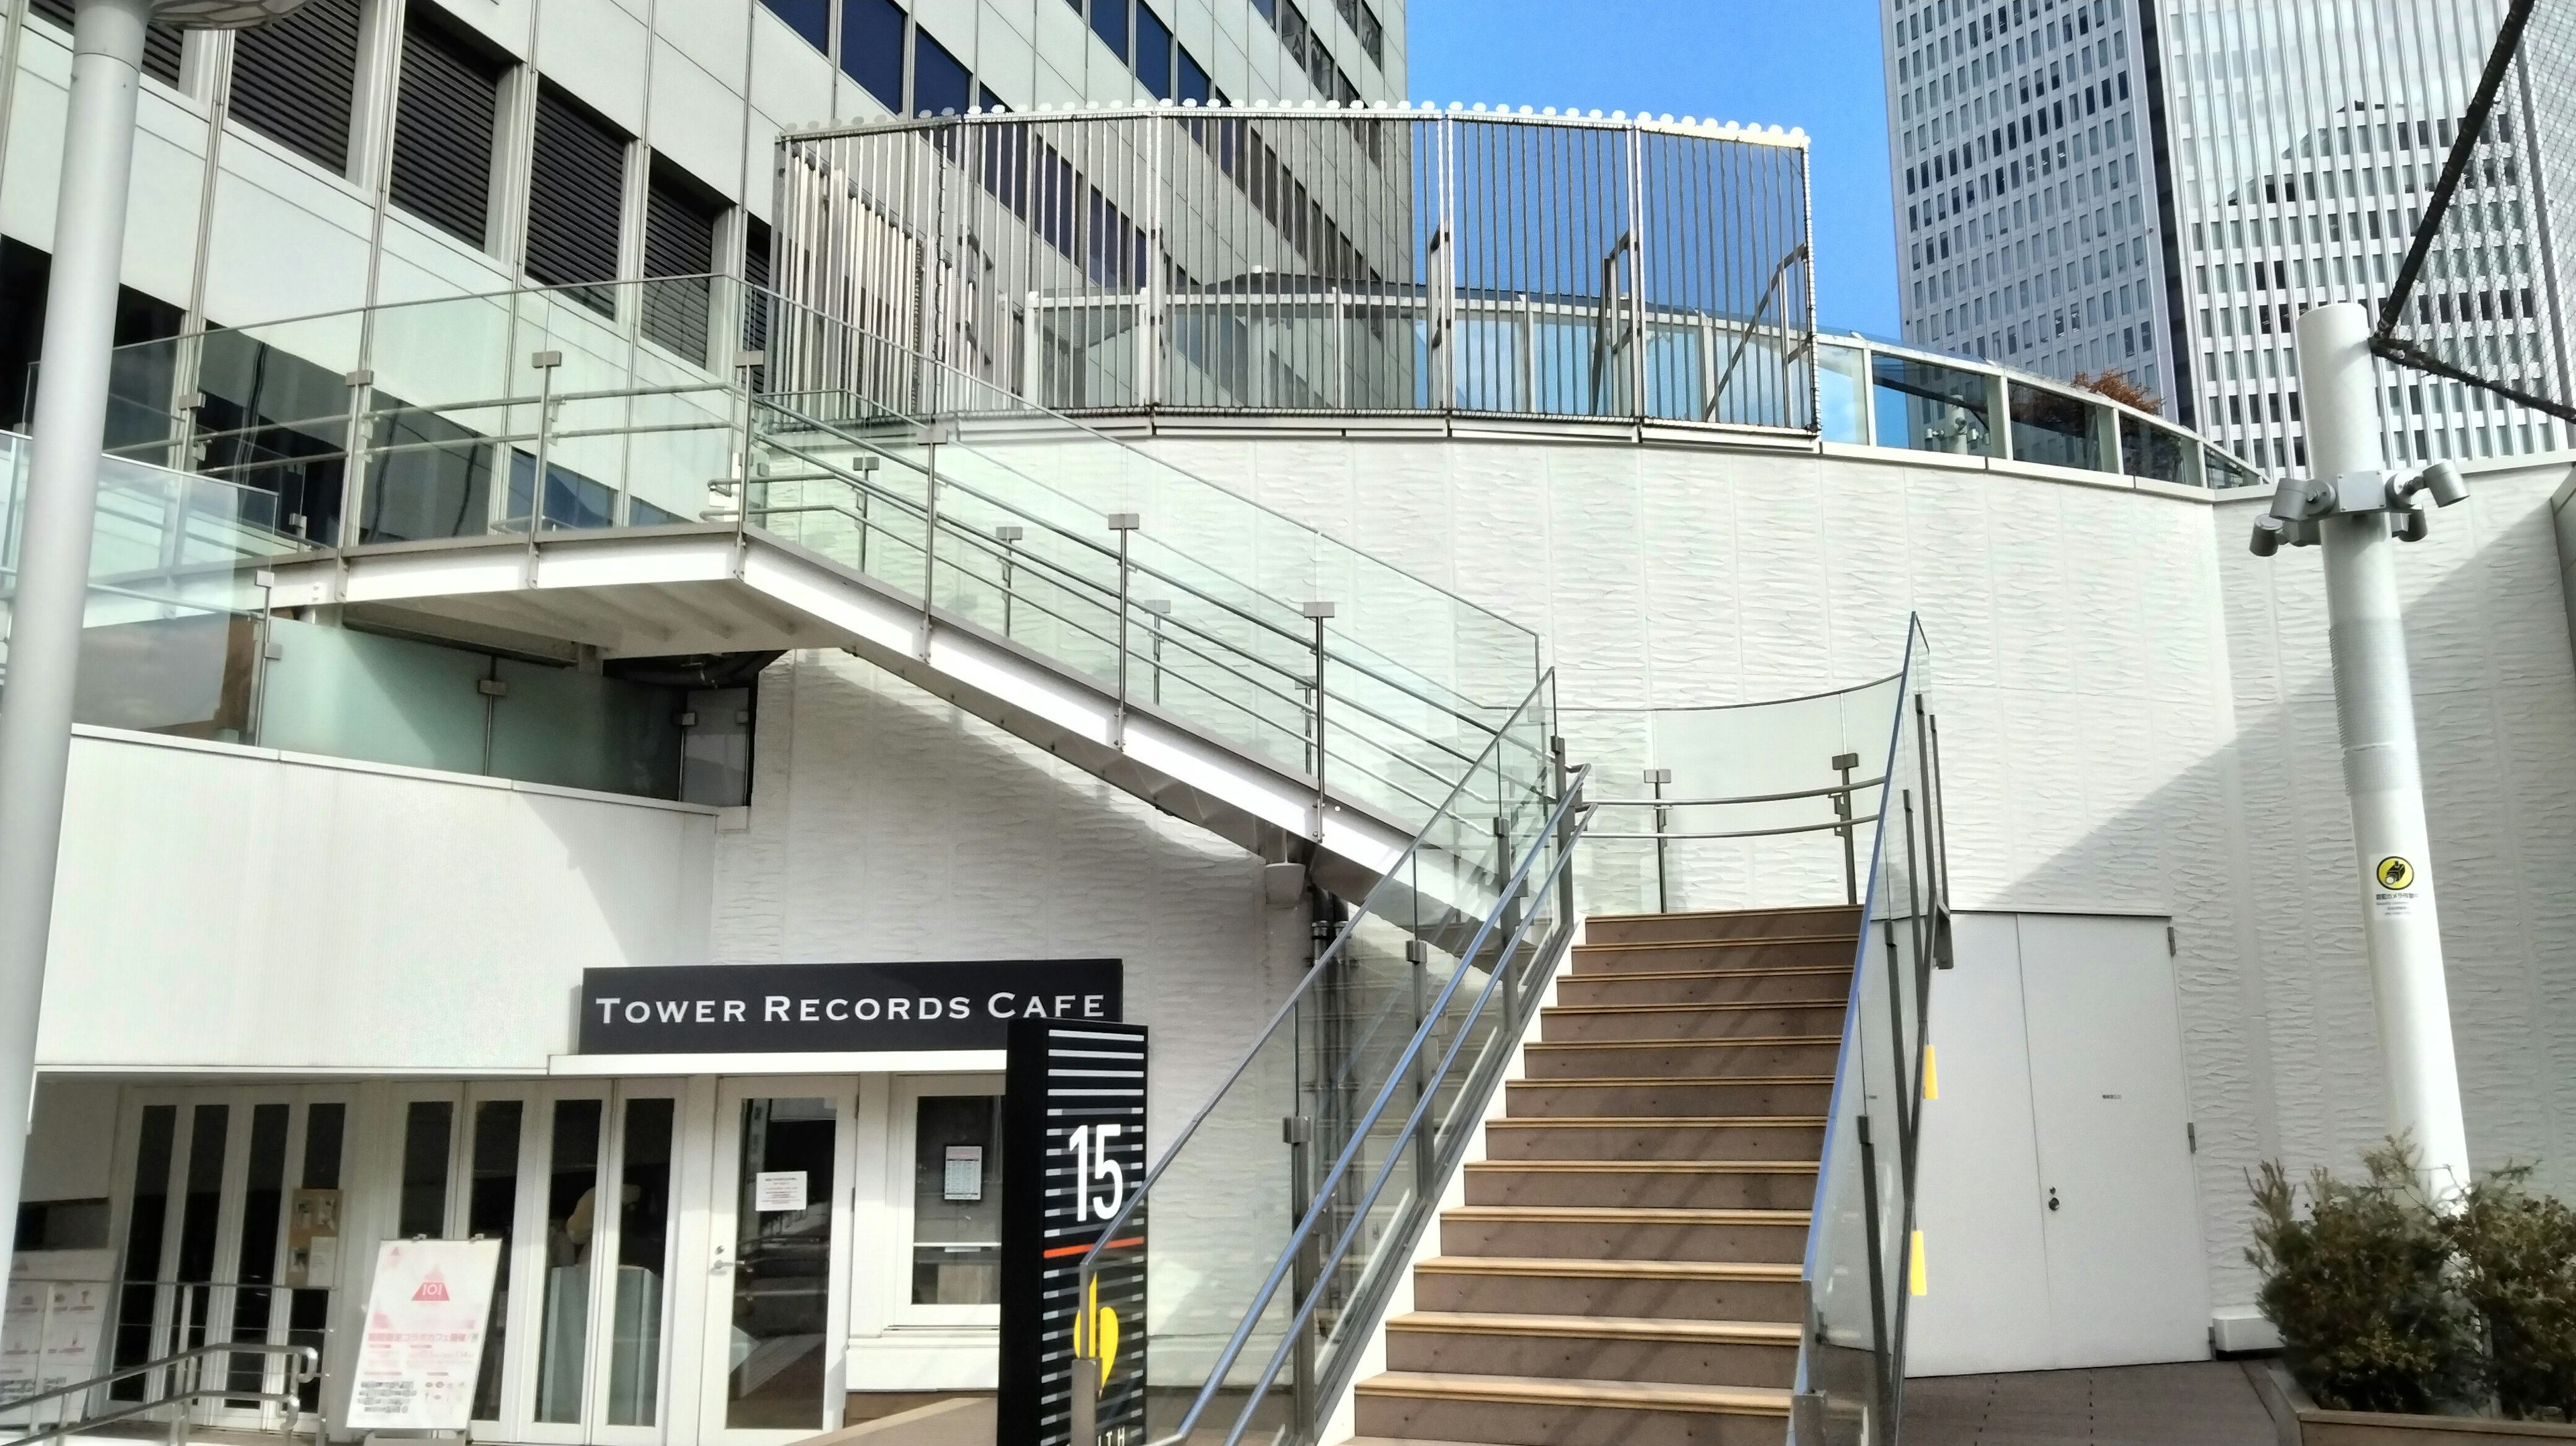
[
  {"x": 778, "y": 1190},
  {"x": 424, "y": 1337},
  {"x": 50, "y": 1329}
]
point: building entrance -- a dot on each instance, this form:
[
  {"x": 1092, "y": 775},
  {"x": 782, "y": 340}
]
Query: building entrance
[{"x": 777, "y": 1313}]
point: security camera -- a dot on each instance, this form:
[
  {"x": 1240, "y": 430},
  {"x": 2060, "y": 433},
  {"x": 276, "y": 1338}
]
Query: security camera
[
  {"x": 2409, "y": 525},
  {"x": 2446, "y": 484},
  {"x": 2267, "y": 536}
]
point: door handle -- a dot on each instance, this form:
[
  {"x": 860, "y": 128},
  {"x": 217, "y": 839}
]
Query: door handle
[{"x": 2052, "y": 1197}]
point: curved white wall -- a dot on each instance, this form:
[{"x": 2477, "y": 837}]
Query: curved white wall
[{"x": 2136, "y": 717}]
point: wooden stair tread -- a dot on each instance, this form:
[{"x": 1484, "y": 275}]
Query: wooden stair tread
[
  {"x": 1725, "y": 913},
  {"x": 1644, "y": 1167},
  {"x": 1627, "y": 1395},
  {"x": 1660, "y": 1122},
  {"x": 1765, "y": 971},
  {"x": 1730, "y": 1006},
  {"x": 1744, "y": 1041},
  {"x": 1585, "y": 1266},
  {"x": 1601, "y": 1326},
  {"x": 1629, "y": 1214},
  {"x": 1633, "y": 1081},
  {"x": 1745, "y": 941}
]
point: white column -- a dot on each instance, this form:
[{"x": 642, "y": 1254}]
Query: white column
[
  {"x": 53, "y": 558},
  {"x": 2375, "y": 710}
]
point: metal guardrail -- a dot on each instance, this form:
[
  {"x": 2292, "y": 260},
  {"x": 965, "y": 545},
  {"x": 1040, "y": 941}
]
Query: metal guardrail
[
  {"x": 1844, "y": 823},
  {"x": 305, "y": 1366}
]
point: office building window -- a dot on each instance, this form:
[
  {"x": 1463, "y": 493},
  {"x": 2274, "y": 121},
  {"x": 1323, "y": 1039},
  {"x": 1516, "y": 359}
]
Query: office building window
[
  {"x": 811, "y": 19},
  {"x": 680, "y": 215},
  {"x": 295, "y": 79},
  {"x": 576, "y": 196},
  {"x": 1194, "y": 83},
  {"x": 872, "y": 49},
  {"x": 1109, "y": 22},
  {"x": 755, "y": 278},
  {"x": 444, "y": 128},
  {"x": 940, "y": 84},
  {"x": 1153, "y": 52}
]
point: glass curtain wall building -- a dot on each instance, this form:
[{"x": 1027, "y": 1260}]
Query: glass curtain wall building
[{"x": 2270, "y": 156}]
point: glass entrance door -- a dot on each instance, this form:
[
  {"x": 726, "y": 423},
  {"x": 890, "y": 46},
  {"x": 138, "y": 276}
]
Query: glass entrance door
[
  {"x": 576, "y": 1183},
  {"x": 778, "y": 1319},
  {"x": 231, "y": 1219}
]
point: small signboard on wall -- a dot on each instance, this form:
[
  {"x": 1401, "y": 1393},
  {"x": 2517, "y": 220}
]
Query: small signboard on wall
[
  {"x": 423, "y": 1345},
  {"x": 1075, "y": 1103},
  {"x": 836, "y": 1008}
]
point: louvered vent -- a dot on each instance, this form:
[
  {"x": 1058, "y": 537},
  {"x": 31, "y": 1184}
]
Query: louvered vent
[
  {"x": 295, "y": 79},
  {"x": 575, "y": 196},
  {"x": 443, "y": 129},
  {"x": 680, "y": 217}
]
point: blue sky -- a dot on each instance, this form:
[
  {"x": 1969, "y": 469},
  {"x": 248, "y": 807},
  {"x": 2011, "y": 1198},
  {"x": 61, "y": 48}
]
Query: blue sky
[{"x": 1810, "y": 63}]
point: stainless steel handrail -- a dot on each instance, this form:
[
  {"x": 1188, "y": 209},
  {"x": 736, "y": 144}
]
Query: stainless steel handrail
[
  {"x": 1397, "y": 1154},
  {"x": 311, "y": 1369},
  {"x": 1315, "y": 973}
]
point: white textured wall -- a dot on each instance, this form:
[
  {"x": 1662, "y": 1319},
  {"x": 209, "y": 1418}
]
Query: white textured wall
[
  {"x": 888, "y": 825},
  {"x": 2136, "y": 718},
  {"x": 237, "y": 908}
]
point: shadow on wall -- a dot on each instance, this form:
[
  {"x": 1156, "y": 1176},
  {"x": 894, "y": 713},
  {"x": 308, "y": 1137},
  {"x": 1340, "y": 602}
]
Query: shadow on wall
[{"x": 2252, "y": 846}]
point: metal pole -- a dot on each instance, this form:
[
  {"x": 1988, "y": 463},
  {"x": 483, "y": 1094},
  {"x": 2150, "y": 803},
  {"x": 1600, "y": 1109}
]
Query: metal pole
[
  {"x": 1319, "y": 613},
  {"x": 1010, "y": 534},
  {"x": 62, "y": 513},
  {"x": 2375, "y": 704},
  {"x": 1843, "y": 764},
  {"x": 1157, "y": 609},
  {"x": 1298, "y": 1131},
  {"x": 1658, "y": 777},
  {"x": 1124, "y": 524}
]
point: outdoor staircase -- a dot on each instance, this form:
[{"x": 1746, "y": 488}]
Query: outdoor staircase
[{"x": 1625, "y": 1271}]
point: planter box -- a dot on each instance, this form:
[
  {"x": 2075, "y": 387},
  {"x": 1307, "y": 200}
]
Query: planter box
[{"x": 2302, "y": 1422}]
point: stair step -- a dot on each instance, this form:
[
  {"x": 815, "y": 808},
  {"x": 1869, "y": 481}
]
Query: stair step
[
  {"x": 1602, "y": 1023},
  {"x": 1660, "y": 1059},
  {"x": 1797, "y": 1138},
  {"x": 1617, "y": 1348},
  {"x": 1715, "y": 956},
  {"x": 1732, "y": 1289},
  {"x": 1530, "y": 1411},
  {"x": 1787, "y": 1094},
  {"x": 1720, "y": 924},
  {"x": 1775, "y": 984},
  {"x": 1618, "y": 1233},
  {"x": 1646, "y": 1184}
]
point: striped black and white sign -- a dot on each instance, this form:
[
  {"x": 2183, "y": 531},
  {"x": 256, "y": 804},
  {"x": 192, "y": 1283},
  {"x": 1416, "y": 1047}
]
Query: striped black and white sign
[{"x": 1074, "y": 1131}]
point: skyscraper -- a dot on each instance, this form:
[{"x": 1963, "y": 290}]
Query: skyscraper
[{"x": 2158, "y": 191}]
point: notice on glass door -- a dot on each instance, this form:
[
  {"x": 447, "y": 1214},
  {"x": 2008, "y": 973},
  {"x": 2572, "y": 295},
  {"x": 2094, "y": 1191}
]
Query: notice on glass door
[
  {"x": 778, "y": 1190},
  {"x": 424, "y": 1339}
]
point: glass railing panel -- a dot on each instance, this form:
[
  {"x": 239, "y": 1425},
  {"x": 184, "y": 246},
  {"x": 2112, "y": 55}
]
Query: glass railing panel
[
  {"x": 2061, "y": 430},
  {"x": 2147, "y": 450},
  {"x": 1843, "y": 389},
  {"x": 1924, "y": 406},
  {"x": 1860, "y": 1244}
]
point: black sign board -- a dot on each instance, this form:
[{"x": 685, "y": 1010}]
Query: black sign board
[
  {"x": 833, "y": 1008},
  {"x": 1073, "y": 1128}
]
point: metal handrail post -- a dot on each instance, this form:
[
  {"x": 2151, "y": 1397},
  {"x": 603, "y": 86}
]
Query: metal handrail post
[
  {"x": 1319, "y": 613},
  {"x": 1156, "y": 609},
  {"x": 1845, "y": 764},
  {"x": 1417, "y": 959},
  {"x": 545, "y": 362},
  {"x": 930, "y": 435},
  {"x": 1658, "y": 777},
  {"x": 1298, "y": 1132},
  {"x": 1008, "y": 534},
  {"x": 1125, "y": 525}
]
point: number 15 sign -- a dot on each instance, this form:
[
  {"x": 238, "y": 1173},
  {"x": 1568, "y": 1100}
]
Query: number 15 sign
[{"x": 1073, "y": 1143}]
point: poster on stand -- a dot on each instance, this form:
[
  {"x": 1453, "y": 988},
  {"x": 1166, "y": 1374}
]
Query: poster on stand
[
  {"x": 424, "y": 1339},
  {"x": 52, "y": 1321}
]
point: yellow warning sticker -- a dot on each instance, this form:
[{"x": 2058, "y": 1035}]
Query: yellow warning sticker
[
  {"x": 1917, "y": 1282},
  {"x": 2394, "y": 873},
  {"x": 1931, "y": 1075}
]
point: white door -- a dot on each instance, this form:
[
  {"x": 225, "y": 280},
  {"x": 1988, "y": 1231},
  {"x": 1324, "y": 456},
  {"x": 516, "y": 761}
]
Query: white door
[
  {"x": 2058, "y": 1064},
  {"x": 2127, "y": 1279},
  {"x": 777, "y": 1318}
]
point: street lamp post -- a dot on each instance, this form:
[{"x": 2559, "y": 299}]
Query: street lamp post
[
  {"x": 61, "y": 509},
  {"x": 2358, "y": 511}
]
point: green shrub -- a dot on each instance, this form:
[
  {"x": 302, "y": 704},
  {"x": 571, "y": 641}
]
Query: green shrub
[
  {"x": 2357, "y": 1287},
  {"x": 2517, "y": 1272}
]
